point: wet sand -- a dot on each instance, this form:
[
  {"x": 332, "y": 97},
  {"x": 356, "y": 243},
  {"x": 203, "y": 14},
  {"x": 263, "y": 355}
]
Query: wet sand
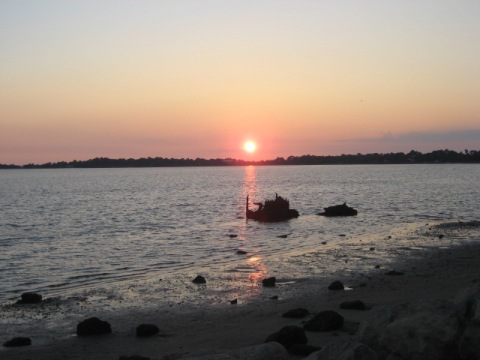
[{"x": 188, "y": 329}]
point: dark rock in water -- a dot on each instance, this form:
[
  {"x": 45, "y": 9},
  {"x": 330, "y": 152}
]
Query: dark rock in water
[
  {"x": 353, "y": 305},
  {"x": 324, "y": 243},
  {"x": 288, "y": 336},
  {"x": 232, "y": 235},
  {"x": 377, "y": 266},
  {"x": 93, "y": 326},
  {"x": 133, "y": 357},
  {"x": 30, "y": 298},
  {"x": 241, "y": 252},
  {"x": 275, "y": 297},
  {"x": 336, "y": 285},
  {"x": 274, "y": 210},
  {"x": 234, "y": 301},
  {"x": 282, "y": 236},
  {"x": 324, "y": 321},
  {"x": 303, "y": 349},
  {"x": 394, "y": 273},
  {"x": 145, "y": 330},
  {"x": 441, "y": 236},
  {"x": 339, "y": 210},
  {"x": 18, "y": 341},
  {"x": 296, "y": 313},
  {"x": 269, "y": 282},
  {"x": 199, "y": 280}
]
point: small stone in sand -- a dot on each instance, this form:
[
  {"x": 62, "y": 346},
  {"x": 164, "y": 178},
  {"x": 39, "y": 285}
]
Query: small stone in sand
[
  {"x": 234, "y": 301},
  {"x": 199, "y": 280},
  {"x": 270, "y": 282},
  {"x": 296, "y": 313},
  {"x": 275, "y": 297},
  {"x": 232, "y": 235},
  {"x": 288, "y": 336},
  {"x": 336, "y": 285},
  {"x": 241, "y": 252},
  {"x": 394, "y": 273},
  {"x": 282, "y": 236},
  {"x": 145, "y": 330},
  {"x": 353, "y": 305}
]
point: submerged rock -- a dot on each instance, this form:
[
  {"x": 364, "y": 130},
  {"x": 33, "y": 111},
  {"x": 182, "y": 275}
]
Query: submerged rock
[
  {"x": 339, "y": 210},
  {"x": 353, "y": 305}
]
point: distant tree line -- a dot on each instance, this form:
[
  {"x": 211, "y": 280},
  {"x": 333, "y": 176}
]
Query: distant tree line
[{"x": 413, "y": 157}]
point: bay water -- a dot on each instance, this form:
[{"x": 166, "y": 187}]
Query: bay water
[{"x": 68, "y": 231}]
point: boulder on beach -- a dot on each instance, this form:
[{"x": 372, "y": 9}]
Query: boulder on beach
[
  {"x": 18, "y": 341},
  {"x": 296, "y": 313},
  {"x": 288, "y": 336},
  {"x": 353, "y": 305},
  {"x": 339, "y": 210},
  {"x": 30, "y": 298},
  {"x": 344, "y": 351},
  {"x": 93, "y": 326},
  {"x": 324, "y": 321}
]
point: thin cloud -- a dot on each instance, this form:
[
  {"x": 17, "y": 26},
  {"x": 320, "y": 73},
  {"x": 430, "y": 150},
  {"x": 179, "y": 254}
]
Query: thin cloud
[{"x": 450, "y": 136}]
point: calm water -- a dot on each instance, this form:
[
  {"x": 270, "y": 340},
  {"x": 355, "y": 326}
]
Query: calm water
[{"x": 65, "y": 230}]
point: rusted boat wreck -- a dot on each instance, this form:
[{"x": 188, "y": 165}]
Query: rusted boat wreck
[{"x": 274, "y": 210}]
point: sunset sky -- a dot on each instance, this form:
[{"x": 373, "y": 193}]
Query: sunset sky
[{"x": 81, "y": 79}]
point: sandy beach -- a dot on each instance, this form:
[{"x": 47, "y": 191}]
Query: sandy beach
[{"x": 188, "y": 330}]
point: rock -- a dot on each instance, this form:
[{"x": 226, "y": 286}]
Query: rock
[
  {"x": 282, "y": 236},
  {"x": 377, "y": 266},
  {"x": 423, "y": 330},
  {"x": 133, "y": 357},
  {"x": 353, "y": 305},
  {"x": 241, "y": 252},
  {"x": 145, "y": 330},
  {"x": 199, "y": 280},
  {"x": 303, "y": 349},
  {"x": 269, "y": 282},
  {"x": 467, "y": 303},
  {"x": 288, "y": 336},
  {"x": 93, "y": 326},
  {"x": 324, "y": 321},
  {"x": 30, "y": 298},
  {"x": 339, "y": 210},
  {"x": 345, "y": 351},
  {"x": 336, "y": 285},
  {"x": 232, "y": 235},
  {"x": 18, "y": 341},
  {"x": 234, "y": 301},
  {"x": 296, "y": 313},
  {"x": 394, "y": 273}
]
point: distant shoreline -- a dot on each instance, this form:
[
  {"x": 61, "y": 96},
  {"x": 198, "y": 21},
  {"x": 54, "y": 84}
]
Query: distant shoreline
[{"x": 412, "y": 157}]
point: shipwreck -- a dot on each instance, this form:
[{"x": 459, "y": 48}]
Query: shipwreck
[{"x": 274, "y": 210}]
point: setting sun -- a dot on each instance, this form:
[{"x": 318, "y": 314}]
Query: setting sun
[{"x": 249, "y": 146}]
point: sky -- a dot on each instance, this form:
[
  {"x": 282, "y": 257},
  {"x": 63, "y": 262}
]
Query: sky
[{"x": 81, "y": 79}]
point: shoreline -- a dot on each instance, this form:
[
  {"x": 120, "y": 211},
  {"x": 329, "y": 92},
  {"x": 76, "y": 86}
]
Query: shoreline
[{"x": 189, "y": 328}]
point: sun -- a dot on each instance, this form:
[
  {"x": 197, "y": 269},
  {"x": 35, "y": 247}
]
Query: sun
[{"x": 249, "y": 146}]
